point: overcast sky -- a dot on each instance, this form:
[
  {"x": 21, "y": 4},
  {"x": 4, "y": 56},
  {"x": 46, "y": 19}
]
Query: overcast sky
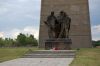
[{"x": 18, "y": 16}]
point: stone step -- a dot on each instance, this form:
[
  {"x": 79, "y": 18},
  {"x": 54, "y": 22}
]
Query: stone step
[
  {"x": 50, "y": 54},
  {"x": 52, "y": 51}
]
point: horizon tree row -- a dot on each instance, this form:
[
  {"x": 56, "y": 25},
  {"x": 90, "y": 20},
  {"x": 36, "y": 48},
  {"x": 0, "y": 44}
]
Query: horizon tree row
[{"x": 22, "y": 40}]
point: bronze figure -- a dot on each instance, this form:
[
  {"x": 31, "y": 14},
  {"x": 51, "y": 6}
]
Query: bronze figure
[{"x": 58, "y": 27}]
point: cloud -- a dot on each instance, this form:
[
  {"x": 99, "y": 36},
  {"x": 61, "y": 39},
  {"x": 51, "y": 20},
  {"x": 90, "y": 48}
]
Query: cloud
[
  {"x": 96, "y": 29},
  {"x": 31, "y": 30},
  {"x": 94, "y": 5},
  {"x": 17, "y": 9},
  {"x": 26, "y": 30},
  {"x": 3, "y": 10},
  {"x": 22, "y": 0},
  {"x": 94, "y": 11},
  {"x": 19, "y": 14},
  {"x": 1, "y": 34},
  {"x": 96, "y": 32}
]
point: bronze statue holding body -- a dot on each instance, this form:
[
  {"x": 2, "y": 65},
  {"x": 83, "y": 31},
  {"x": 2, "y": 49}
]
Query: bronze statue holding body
[{"x": 58, "y": 26}]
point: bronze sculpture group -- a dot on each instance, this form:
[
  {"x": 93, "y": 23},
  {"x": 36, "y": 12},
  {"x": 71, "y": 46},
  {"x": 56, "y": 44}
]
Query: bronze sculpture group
[{"x": 58, "y": 26}]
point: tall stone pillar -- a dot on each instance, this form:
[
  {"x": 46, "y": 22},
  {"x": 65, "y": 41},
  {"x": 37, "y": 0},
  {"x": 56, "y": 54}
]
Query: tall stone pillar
[{"x": 78, "y": 10}]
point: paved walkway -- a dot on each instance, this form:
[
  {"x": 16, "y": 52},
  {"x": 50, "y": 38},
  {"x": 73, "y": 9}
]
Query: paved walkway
[{"x": 38, "y": 62}]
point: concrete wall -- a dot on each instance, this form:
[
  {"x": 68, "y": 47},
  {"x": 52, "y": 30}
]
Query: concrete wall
[{"x": 78, "y": 10}]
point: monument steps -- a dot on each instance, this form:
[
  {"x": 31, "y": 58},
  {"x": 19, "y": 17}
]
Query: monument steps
[{"x": 50, "y": 54}]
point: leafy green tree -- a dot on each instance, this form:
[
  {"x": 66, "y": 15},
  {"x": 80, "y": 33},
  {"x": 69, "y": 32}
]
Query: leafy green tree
[
  {"x": 9, "y": 42},
  {"x": 21, "y": 40},
  {"x": 1, "y": 42},
  {"x": 33, "y": 40}
]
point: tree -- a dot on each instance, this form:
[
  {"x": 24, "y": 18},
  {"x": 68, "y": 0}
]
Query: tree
[
  {"x": 9, "y": 42},
  {"x": 26, "y": 40},
  {"x": 21, "y": 40},
  {"x": 1, "y": 42},
  {"x": 33, "y": 40},
  {"x": 96, "y": 43}
]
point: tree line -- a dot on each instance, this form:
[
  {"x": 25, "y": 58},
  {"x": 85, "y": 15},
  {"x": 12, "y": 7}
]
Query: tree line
[
  {"x": 96, "y": 43},
  {"x": 22, "y": 40}
]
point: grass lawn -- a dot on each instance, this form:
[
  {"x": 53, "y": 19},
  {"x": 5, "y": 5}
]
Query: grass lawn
[
  {"x": 13, "y": 53},
  {"x": 87, "y": 57}
]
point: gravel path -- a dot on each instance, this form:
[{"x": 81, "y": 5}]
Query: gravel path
[{"x": 38, "y": 62}]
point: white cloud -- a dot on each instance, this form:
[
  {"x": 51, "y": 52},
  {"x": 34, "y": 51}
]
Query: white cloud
[
  {"x": 94, "y": 7},
  {"x": 3, "y": 10},
  {"x": 14, "y": 33},
  {"x": 94, "y": 4},
  {"x": 18, "y": 9},
  {"x": 1, "y": 34},
  {"x": 29, "y": 16},
  {"x": 31, "y": 30},
  {"x": 26, "y": 30},
  {"x": 22, "y": 0},
  {"x": 96, "y": 29},
  {"x": 96, "y": 32}
]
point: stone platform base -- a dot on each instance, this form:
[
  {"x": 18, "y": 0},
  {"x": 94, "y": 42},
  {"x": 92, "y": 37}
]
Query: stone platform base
[
  {"x": 50, "y": 54},
  {"x": 59, "y": 44}
]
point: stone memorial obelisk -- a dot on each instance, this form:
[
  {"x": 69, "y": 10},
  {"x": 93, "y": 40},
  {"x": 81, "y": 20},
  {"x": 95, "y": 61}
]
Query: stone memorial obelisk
[{"x": 65, "y": 24}]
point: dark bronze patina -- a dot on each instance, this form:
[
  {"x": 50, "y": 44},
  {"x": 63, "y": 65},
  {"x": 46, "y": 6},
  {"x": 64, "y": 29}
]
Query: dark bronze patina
[{"x": 58, "y": 26}]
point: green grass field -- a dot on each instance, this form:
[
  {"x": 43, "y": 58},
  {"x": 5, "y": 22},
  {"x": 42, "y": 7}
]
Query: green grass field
[
  {"x": 13, "y": 53},
  {"x": 87, "y": 57}
]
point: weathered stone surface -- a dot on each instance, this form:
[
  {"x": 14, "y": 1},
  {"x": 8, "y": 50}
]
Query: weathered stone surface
[
  {"x": 59, "y": 44},
  {"x": 51, "y": 54},
  {"x": 38, "y": 62},
  {"x": 78, "y": 10}
]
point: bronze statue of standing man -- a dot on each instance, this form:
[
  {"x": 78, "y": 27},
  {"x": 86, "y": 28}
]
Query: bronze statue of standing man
[
  {"x": 51, "y": 19},
  {"x": 64, "y": 21}
]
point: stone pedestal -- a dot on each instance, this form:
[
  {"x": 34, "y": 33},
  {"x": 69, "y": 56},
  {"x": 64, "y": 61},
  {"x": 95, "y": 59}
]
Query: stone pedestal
[{"x": 59, "y": 44}]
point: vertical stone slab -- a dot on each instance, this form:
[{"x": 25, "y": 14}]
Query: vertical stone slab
[{"x": 78, "y": 10}]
